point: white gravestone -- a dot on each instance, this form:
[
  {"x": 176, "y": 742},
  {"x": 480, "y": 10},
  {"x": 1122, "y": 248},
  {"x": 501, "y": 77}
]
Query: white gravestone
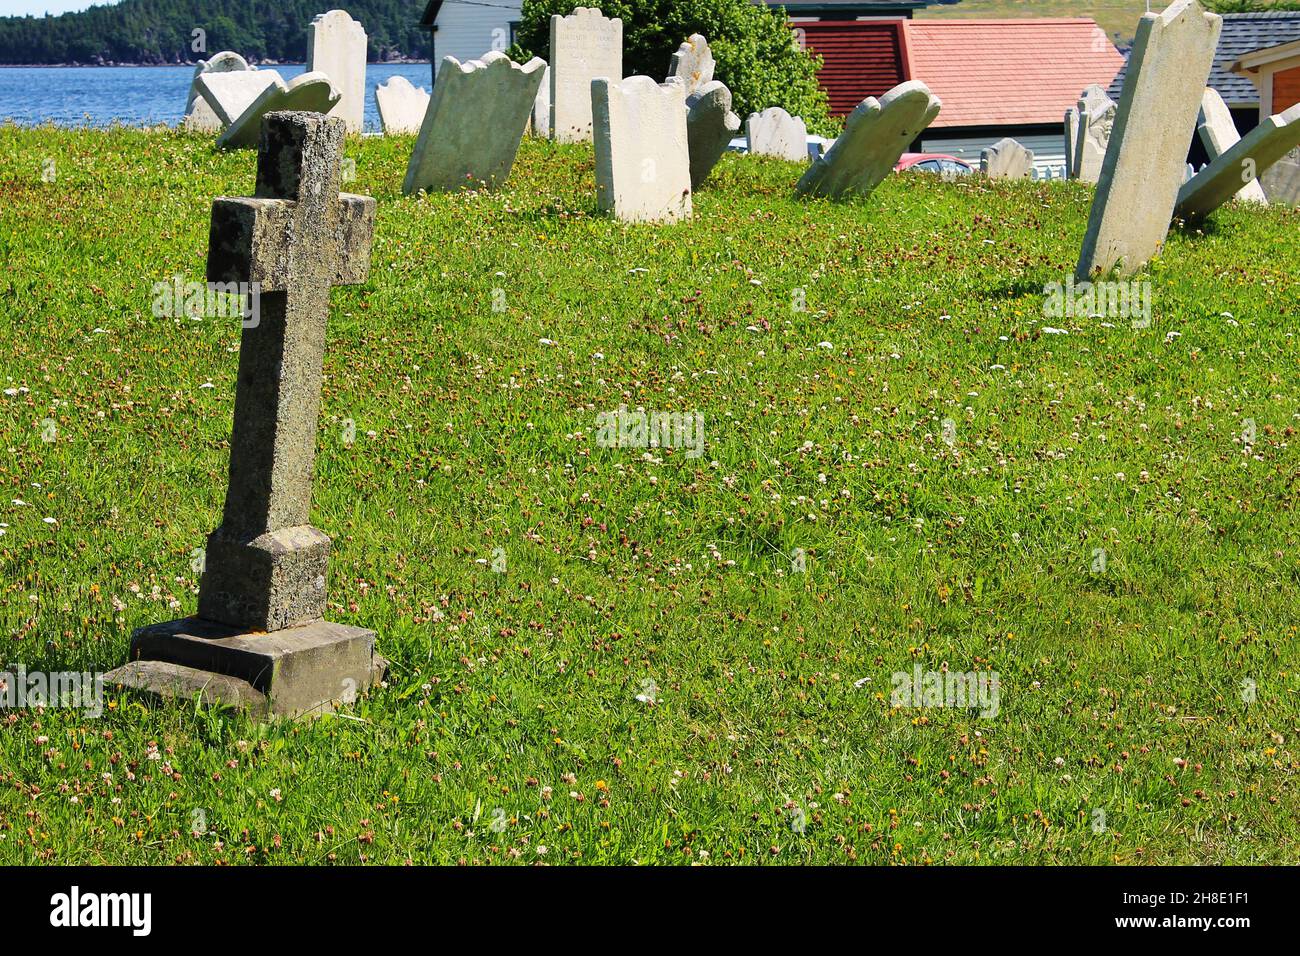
[
  {"x": 1153, "y": 130},
  {"x": 1219, "y": 134},
  {"x": 307, "y": 92},
  {"x": 1007, "y": 159},
  {"x": 475, "y": 121},
  {"x": 710, "y": 127},
  {"x": 642, "y": 160},
  {"x": 1244, "y": 161},
  {"x": 875, "y": 135},
  {"x": 693, "y": 64},
  {"x": 774, "y": 132},
  {"x": 198, "y": 114},
  {"x": 336, "y": 46},
  {"x": 401, "y": 105},
  {"x": 227, "y": 95},
  {"x": 539, "y": 123},
  {"x": 584, "y": 46},
  {"x": 1071, "y": 135},
  {"x": 1096, "y": 113}
]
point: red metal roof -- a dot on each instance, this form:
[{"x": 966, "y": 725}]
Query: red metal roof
[
  {"x": 860, "y": 58},
  {"x": 1009, "y": 72}
]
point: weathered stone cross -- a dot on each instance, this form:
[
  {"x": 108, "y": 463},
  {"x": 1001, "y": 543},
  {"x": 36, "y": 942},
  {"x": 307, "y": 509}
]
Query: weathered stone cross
[
  {"x": 260, "y": 641},
  {"x": 298, "y": 237}
]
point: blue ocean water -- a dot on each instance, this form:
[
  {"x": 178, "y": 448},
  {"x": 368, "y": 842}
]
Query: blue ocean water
[{"x": 139, "y": 95}]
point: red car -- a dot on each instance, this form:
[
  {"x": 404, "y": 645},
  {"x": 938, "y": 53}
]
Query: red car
[{"x": 949, "y": 167}]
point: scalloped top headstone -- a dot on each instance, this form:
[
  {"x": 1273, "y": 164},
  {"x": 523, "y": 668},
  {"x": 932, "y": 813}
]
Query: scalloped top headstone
[
  {"x": 693, "y": 63},
  {"x": 586, "y": 45},
  {"x": 336, "y": 46}
]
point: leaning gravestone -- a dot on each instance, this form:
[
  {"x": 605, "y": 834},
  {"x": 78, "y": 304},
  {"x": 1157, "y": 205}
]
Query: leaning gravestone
[
  {"x": 1282, "y": 180},
  {"x": 875, "y": 135},
  {"x": 1153, "y": 130},
  {"x": 259, "y": 640},
  {"x": 475, "y": 120},
  {"x": 642, "y": 160},
  {"x": 309, "y": 92},
  {"x": 1244, "y": 161},
  {"x": 336, "y": 46},
  {"x": 401, "y": 105},
  {"x": 1219, "y": 134},
  {"x": 710, "y": 127},
  {"x": 1007, "y": 159},
  {"x": 584, "y": 46},
  {"x": 539, "y": 121},
  {"x": 774, "y": 132},
  {"x": 198, "y": 114},
  {"x": 227, "y": 95},
  {"x": 693, "y": 64},
  {"x": 1096, "y": 113},
  {"x": 1071, "y": 135}
]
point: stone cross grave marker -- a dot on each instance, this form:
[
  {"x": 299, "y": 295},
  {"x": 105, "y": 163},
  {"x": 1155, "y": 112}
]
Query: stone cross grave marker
[
  {"x": 584, "y": 46},
  {"x": 1154, "y": 125},
  {"x": 259, "y": 640}
]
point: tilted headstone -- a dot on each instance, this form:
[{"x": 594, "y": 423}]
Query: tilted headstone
[
  {"x": 336, "y": 46},
  {"x": 259, "y": 640},
  {"x": 875, "y": 135},
  {"x": 710, "y": 126},
  {"x": 1243, "y": 162},
  {"x": 642, "y": 159},
  {"x": 539, "y": 122},
  {"x": 1071, "y": 136},
  {"x": 1219, "y": 134},
  {"x": 693, "y": 64},
  {"x": 228, "y": 95},
  {"x": 774, "y": 132},
  {"x": 401, "y": 105},
  {"x": 198, "y": 114},
  {"x": 1154, "y": 125},
  {"x": 475, "y": 121},
  {"x": 1007, "y": 159},
  {"x": 1282, "y": 180},
  {"x": 1096, "y": 120},
  {"x": 306, "y": 92},
  {"x": 584, "y": 46}
]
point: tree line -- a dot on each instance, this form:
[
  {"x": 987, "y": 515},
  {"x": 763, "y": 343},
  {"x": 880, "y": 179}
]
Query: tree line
[{"x": 163, "y": 31}]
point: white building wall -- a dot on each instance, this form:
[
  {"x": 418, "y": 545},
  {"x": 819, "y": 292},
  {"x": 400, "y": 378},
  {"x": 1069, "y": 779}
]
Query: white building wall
[
  {"x": 468, "y": 30},
  {"x": 1049, "y": 150}
]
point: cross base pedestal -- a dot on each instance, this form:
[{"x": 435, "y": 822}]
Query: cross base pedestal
[
  {"x": 295, "y": 672},
  {"x": 267, "y": 583}
]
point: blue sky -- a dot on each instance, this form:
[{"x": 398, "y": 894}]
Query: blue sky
[{"x": 38, "y": 8}]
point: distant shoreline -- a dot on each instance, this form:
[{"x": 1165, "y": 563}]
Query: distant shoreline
[{"x": 259, "y": 63}]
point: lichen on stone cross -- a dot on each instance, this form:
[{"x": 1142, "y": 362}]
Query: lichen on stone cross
[{"x": 295, "y": 239}]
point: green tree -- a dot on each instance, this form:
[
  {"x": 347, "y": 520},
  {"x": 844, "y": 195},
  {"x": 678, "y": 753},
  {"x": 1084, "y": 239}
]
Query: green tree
[
  {"x": 756, "y": 52},
  {"x": 1250, "y": 6}
]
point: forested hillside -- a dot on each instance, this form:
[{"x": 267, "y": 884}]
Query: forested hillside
[{"x": 162, "y": 31}]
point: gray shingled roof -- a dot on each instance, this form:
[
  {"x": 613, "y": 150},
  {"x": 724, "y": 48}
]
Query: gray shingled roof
[{"x": 1242, "y": 33}]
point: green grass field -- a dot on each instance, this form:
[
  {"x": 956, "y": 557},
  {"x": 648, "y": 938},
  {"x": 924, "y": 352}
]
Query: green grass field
[
  {"x": 1148, "y": 709},
  {"x": 1118, "y": 18}
]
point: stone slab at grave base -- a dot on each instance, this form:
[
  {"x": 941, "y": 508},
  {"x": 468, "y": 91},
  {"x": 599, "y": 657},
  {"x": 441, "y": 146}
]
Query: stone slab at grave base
[{"x": 299, "y": 671}]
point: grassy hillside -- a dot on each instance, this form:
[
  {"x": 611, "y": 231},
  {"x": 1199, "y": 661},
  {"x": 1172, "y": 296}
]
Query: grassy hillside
[
  {"x": 1149, "y": 709},
  {"x": 1117, "y": 17}
]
